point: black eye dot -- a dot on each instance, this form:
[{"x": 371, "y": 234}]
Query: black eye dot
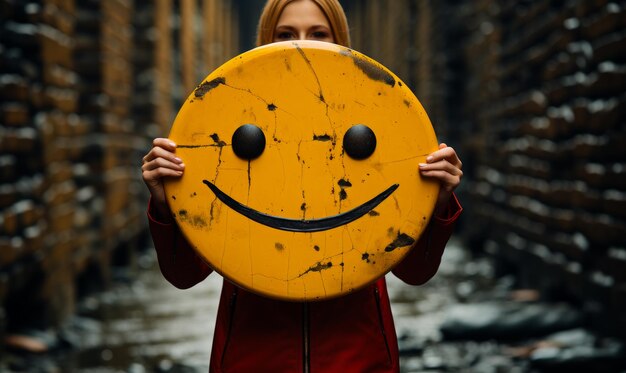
[
  {"x": 359, "y": 142},
  {"x": 248, "y": 141}
]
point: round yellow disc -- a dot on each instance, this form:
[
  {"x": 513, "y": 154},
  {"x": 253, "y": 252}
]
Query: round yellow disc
[{"x": 301, "y": 179}]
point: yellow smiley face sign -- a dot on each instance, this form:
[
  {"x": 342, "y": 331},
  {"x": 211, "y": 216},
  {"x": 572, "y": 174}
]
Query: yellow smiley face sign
[{"x": 301, "y": 179}]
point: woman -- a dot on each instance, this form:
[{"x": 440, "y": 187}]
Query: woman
[{"x": 353, "y": 333}]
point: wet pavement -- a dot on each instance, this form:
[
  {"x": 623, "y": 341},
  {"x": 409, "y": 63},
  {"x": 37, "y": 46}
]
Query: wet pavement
[
  {"x": 143, "y": 325},
  {"x": 147, "y": 325}
]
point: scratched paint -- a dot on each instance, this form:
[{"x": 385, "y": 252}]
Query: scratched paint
[
  {"x": 402, "y": 240},
  {"x": 217, "y": 140},
  {"x": 303, "y": 221},
  {"x": 366, "y": 257},
  {"x": 323, "y": 137},
  {"x": 344, "y": 183},
  {"x": 192, "y": 219},
  {"x": 318, "y": 268},
  {"x": 370, "y": 68},
  {"x": 205, "y": 87}
]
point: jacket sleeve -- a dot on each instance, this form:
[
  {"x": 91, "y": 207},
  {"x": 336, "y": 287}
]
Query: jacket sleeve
[
  {"x": 179, "y": 263},
  {"x": 422, "y": 262}
]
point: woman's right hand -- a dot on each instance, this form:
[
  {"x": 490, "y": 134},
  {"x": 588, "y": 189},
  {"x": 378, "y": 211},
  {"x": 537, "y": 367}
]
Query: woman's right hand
[{"x": 161, "y": 162}]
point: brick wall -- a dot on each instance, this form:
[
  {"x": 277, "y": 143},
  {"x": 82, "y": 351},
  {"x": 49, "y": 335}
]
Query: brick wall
[
  {"x": 531, "y": 94},
  {"x": 550, "y": 178},
  {"x": 40, "y": 124},
  {"x": 84, "y": 87}
]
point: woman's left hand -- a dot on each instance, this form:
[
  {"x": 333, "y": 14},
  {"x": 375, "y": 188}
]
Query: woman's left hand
[{"x": 444, "y": 166}]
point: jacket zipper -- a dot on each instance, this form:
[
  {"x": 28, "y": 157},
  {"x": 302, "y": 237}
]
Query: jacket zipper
[
  {"x": 231, "y": 315},
  {"x": 381, "y": 321},
  {"x": 306, "y": 343}
]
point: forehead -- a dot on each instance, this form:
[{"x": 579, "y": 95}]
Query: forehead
[{"x": 302, "y": 12}]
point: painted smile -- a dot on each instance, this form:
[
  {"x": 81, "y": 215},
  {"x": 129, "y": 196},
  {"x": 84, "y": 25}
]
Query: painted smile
[{"x": 295, "y": 225}]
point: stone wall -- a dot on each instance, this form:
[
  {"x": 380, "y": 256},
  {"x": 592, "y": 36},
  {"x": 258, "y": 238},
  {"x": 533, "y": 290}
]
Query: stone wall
[
  {"x": 84, "y": 87},
  {"x": 549, "y": 182},
  {"x": 531, "y": 94}
]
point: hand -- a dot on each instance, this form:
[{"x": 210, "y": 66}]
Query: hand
[
  {"x": 161, "y": 162},
  {"x": 444, "y": 166}
]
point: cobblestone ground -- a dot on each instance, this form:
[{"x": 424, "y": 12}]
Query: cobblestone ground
[{"x": 147, "y": 325}]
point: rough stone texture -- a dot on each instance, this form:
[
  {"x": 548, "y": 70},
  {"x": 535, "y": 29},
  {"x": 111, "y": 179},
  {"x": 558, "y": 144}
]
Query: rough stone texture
[
  {"x": 531, "y": 94},
  {"x": 547, "y": 189},
  {"x": 84, "y": 87}
]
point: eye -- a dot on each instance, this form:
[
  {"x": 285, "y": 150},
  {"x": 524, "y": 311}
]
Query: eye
[
  {"x": 248, "y": 141},
  {"x": 320, "y": 35},
  {"x": 359, "y": 142},
  {"x": 284, "y": 35}
]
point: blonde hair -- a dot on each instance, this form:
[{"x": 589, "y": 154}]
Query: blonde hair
[{"x": 331, "y": 9}]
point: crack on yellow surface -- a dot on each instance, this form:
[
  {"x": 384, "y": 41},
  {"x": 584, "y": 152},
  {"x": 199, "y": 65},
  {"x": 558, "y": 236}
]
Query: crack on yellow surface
[
  {"x": 267, "y": 104},
  {"x": 301, "y": 161},
  {"x": 247, "y": 90},
  {"x": 318, "y": 267},
  {"x": 321, "y": 93},
  {"x": 276, "y": 139},
  {"x": 323, "y": 284},
  {"x": 342, "y": 192},
  {"x": 405, "y": 159},
  {"x": 332, "y": 193},
  {"x": 282, "y": 162},
  {"x": 308, "y": 62},
  {"x": 397, "y": 204},
  {"x": 199, "y": 146},
  {"x": 211, "y": 211},
  {"x": 270, "y": 105},
  {"x": 217, "y": 172},
  {"x": 249, "y": 181}
]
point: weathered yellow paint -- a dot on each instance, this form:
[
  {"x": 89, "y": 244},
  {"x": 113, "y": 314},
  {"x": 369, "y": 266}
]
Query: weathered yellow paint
[{"x": 304, "y": 95}]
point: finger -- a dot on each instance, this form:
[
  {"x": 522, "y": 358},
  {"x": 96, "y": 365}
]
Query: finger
[
  {"x": 158, "y": 152},
  {"x": 162, "y": 163},
  {"x": 447, "y": 153},
  {"x": 448, "y": 181},
  {"x": 166, "y": 154},
  {"x": 159, "y": 173},
  {"x": 442, "y": 165},
  {"x": 160, "y": 143},
  {"x": 164, "y": 143},
  {"x": 444, "y": 152}
]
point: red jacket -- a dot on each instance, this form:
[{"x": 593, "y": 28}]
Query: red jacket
[{"x": 352, "y": 333}]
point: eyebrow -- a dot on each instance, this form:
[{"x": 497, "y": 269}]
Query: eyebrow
[{"x": 291, "y": 27}]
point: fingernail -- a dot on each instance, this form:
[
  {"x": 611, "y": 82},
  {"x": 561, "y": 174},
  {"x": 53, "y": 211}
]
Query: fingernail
[
  {"x": 422, "y": 165},
  {"x": 178, "y": 160},
  {"x": 429, "y": 158},
  {"x": 182, "y": 165},
  {"x": 172, "y": 144}
]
